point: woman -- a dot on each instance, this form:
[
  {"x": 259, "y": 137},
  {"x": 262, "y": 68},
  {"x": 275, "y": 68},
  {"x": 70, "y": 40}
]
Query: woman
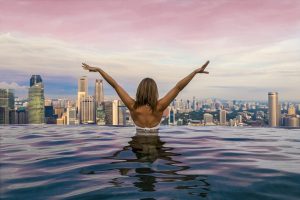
[{"x": 147, "y": 110}]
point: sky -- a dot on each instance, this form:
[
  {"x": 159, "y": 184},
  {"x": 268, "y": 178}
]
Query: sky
[{"x": 253, "y": 46}]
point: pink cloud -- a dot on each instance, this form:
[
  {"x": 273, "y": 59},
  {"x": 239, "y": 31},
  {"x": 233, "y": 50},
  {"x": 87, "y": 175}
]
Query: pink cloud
[{"x": 160, "y": 22}]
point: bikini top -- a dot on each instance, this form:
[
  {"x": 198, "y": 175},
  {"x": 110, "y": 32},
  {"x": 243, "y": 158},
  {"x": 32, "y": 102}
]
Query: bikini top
[{"x": 147, "y": 129}]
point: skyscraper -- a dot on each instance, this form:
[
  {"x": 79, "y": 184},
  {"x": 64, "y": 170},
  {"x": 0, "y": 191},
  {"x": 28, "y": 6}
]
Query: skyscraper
[
  {"x": 122, "y": 114},
  {"x": 83, "y": 84},
  {"x": 222, "y": 117},
  {"x": 7, "y": 105},
  {"x": 82, "y": 91},
  {"x": 194, "y": 104},
  {"x": 49, "y": 115},
  {"x": 88, "y": 110},
  {"x": 99, "y": 95},
  {"x": 115, "y": 112},
  {"x": 274, "y": 109},
  {"x": 36, "y": 100},
  {"x": 71, "y": 116},
  {"x": 100, "y": 115},
  {"x": 108, "y": 112},
  {"x": 21, "y": 116}
]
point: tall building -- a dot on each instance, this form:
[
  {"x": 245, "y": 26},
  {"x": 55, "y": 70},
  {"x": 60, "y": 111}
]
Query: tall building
[
  {"x": 122, "y": 114},
  {"x": 194, "y": 104},
  {"x": 172, "y": 119},
  {"x": 100, "y": 115},
  {"x": 21, "y": 116},
  {"x": 223, "y": 117},
  {"x": 108, "y": 112},
  {"x": 36, "y": 110},
  {"x": 71, "y": 116},
  {"x": 274, "y": 109},
  {"x": 111, "y": 109},
  {"x": 115, "y": 112},
  {"x": 83, "y": 84},
  {"x": 7, "y": 106},
  {"x": 82, "y": 91},
  {"x": 99, "y": 95},
  {"x": 50, "y": 118},
  {"x": 35, "y": 79},
  {"x": 88, "y": 110},
  {"x": 208, "y": 119}
]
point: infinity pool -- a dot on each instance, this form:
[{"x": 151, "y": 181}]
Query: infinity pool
[{"x": 93, "y": 162}]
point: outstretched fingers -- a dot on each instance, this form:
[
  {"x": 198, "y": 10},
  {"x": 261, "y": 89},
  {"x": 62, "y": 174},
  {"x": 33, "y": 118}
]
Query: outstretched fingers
[
  {"x": 85, "y": 66},
  {"x": 205, "y": 65}
]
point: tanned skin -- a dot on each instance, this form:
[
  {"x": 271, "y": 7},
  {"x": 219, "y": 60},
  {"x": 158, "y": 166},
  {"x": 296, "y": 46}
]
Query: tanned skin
[{"x": 143, "y": 116}]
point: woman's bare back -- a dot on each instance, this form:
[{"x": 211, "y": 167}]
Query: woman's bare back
[{"x": 145, "y": 118}]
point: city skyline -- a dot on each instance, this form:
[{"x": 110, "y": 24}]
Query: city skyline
[
  {"x": 110, "y": 97},
  {"x": 253, "y": 46},
  {"x": 93, "y": 109}
]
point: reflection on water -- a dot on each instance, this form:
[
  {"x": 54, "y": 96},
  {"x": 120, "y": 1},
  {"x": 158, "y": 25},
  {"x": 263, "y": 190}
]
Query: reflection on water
[
  {"x": 91, "y": 162},
  {"x": 149, "y": 149}
]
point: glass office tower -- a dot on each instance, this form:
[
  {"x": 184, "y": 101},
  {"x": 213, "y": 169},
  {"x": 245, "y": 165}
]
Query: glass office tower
[{"x": 36, "y": 100}]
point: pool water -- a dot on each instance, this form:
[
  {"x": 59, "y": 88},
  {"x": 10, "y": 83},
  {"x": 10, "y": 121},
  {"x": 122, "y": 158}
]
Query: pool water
[{"x": 94, "y": 162}]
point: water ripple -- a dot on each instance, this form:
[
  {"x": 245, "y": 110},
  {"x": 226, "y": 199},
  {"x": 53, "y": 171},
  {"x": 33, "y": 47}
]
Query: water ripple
[{"x": 92, "y": 162}]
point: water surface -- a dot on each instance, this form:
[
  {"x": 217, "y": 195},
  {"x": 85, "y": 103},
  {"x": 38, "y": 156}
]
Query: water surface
[{"x": 92, "y": 162}]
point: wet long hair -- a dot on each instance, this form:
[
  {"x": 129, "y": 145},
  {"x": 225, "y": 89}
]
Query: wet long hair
[{"x": 146, "y": 94}]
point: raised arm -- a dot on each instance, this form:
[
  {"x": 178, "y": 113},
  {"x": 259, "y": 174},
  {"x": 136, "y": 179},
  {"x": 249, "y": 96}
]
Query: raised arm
[
  {"x": 127, "y": 100},
  {"x": 164, "y": 102}
]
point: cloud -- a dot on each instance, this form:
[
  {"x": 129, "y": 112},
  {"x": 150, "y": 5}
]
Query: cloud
[
  {"x": 19, "y": 90},
  {"x": 59, "y": 63},
  {"x": 248, "y": 43},
  {"x": 12, "y": 85}
]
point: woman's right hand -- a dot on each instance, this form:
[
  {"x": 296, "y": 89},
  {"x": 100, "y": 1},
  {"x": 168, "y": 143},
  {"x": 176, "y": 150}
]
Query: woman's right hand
[
  {"x": 91, "y": 69},
  {"x": 201, "y": 69}
]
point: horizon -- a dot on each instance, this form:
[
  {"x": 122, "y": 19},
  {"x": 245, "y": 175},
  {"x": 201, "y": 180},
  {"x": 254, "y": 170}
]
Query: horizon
[{"x": 252, "y": 49}]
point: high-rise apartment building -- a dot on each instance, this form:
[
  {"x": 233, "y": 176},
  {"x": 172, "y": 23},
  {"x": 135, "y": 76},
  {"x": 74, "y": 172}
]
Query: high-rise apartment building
[
  {"x": 274, "y": 109},
  {"x": 99, "y": 95},
  {"x": 71, "y": 116},
  {"x": 122, "y": 114},
  {"x": 83, "y": 84},
  {"x": 36, "y": 100},
  {"x": 88, "y": 110},
  {"x": 100, "y": 115},
  {"x": 111, "y": 109},
  {"x": 115, "y": 112},
  {"x": 82, "y": 91},
  {"x": 223, "y": 117},
  {"x": 108, "y": 112}
]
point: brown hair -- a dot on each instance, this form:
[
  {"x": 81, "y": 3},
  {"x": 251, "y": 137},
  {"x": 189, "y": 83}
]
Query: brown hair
[{"x": 146, "y": 94}]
